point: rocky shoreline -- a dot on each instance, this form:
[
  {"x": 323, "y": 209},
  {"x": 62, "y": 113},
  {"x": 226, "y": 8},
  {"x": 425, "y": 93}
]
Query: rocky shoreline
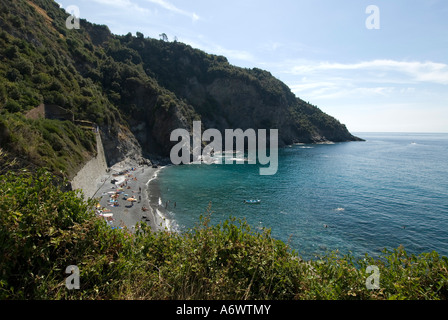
[{"x": 128, "y": 180}]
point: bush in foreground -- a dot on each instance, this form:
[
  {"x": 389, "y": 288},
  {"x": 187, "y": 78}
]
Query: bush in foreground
[{"x": 43, "y": 230}]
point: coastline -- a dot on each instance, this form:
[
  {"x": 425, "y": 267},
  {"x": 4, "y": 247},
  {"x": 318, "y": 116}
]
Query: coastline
[{"x": 132, "y": 181}]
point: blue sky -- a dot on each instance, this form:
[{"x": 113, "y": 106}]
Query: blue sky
[{"x": 391, "y": 79}]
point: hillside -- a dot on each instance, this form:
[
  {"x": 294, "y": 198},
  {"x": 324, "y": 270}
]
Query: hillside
[{"x": 135, "y": 89}]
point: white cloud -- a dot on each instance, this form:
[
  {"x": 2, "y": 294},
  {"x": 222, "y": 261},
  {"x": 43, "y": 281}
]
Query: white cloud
[
  {"x": 414, "y": 71},
  {"x": 307, "y": 86},
  {"x": 200, "y": 42},
  {"x": 130, "y": 5},
  {"x": 341, "y": 93},
  {"x": 399, "y": 117},
  {"x": 364, "y": 80},
  {"x": 170, "y": 7},
  {"x": 377, "y": 95},
  {"x": 195, "y": 17},
  {"x": 233, "y": 54},
  {"x": 123, "y": 4}
]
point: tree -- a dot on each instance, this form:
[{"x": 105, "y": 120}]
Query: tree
[
  {"x": 128, "y": 37},
  {"x": 163, "y": 37}
]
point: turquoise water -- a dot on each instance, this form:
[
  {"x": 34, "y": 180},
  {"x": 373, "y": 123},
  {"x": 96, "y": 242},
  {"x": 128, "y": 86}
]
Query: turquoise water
[{"x": 388, "y": 191}]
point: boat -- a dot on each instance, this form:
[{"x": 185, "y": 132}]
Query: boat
[{"x": 252, "y": 201}]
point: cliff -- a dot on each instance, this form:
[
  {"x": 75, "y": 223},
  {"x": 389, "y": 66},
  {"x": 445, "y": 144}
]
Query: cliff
[
  {"x": 136, "y": 89},
  {"x": 228, "y": 97}
]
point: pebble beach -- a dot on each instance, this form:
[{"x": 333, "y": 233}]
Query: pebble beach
[{"x": 126, "y": 197}]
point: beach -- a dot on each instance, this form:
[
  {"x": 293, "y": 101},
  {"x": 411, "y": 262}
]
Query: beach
[{"x": 127, "y": 197}]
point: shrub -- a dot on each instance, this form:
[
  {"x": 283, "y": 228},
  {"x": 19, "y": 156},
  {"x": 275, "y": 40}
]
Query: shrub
[
  {"x": 13, "y": 106},
  {"x": 44, "y": 229},
  {"x": 25, "y": 66},
  {"x": 13, "y": 75},
  {"x": 34, "y": 215}
]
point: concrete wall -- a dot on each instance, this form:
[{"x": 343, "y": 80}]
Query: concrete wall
[
  {"x": 50, "y": 111},
  {"x": 89, "y": 177}
]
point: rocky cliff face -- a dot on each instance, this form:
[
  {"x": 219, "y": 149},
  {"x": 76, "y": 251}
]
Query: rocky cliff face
[
  {"x": 192, "y": 85},
  {"x": 241, "y": 105},
  {"x": 228, "y": 97},
  {"x": 88, "y": 178},
  {"x": 120, "y": 144},
  {"x": 137, "y": 89}
]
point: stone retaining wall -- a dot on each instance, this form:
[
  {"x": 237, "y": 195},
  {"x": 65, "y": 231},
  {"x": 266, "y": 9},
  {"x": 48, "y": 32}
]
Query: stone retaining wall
[{"x": 89, "y": 177}]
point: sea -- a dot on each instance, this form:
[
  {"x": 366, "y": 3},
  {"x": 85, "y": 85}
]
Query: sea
[{"x": 356, "y": 198}]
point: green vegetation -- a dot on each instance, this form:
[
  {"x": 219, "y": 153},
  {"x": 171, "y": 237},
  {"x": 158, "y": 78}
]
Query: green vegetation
[
  {"x": 116, "y": 81},
  {"x": 58, "y": 145},
  {"x": 42, "y": 62},
  {"x": 43, "y": 230},
  {"x": 36, "y": 68}
]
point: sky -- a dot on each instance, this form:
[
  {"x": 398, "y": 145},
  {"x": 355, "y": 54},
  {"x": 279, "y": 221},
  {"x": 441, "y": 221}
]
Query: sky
[{"x": 375, "y": 69}]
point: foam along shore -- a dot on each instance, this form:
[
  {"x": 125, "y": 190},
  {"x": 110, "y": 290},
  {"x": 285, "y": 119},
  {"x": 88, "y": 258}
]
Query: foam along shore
[{"x": 126, "y": 197}]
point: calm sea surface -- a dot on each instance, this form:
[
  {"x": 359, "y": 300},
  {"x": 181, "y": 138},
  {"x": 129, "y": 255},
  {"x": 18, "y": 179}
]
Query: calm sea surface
[{"x": 389, "y": 191}]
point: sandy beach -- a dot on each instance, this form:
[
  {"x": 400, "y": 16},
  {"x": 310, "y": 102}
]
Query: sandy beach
[{"x": 126, "y": 181}]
